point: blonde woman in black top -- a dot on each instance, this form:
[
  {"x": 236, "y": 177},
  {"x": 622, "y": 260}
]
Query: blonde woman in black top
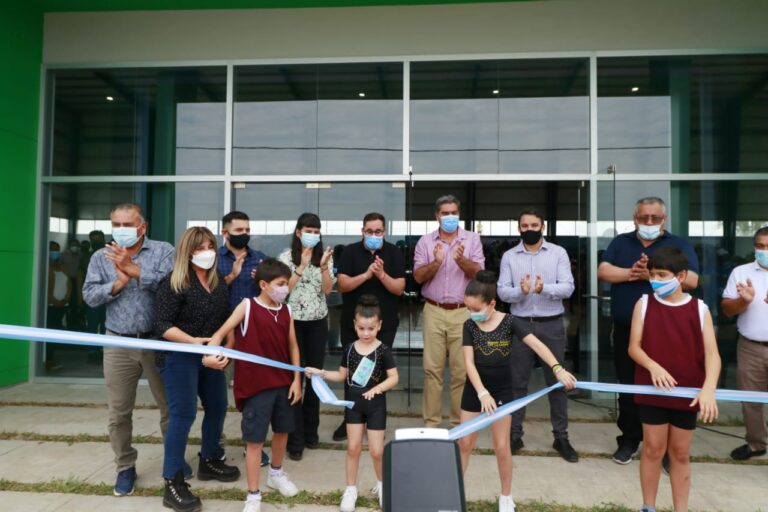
[{"x": 192, "y": 304}]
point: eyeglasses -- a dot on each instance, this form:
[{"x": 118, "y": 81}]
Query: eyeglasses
[
  {"x": 656, "y": 219},
  {"x": 378, "y": 232}
]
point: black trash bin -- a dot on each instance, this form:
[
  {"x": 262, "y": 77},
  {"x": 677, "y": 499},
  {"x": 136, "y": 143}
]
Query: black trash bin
[{"x": 422, "y": 473}]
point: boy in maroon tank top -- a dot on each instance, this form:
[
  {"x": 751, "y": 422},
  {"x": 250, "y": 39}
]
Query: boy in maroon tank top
[
  {"x": 265, "y": 395},
  {"x": 673, "y": 343}
]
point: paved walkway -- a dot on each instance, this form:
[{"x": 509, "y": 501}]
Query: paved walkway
[{"x": 594, "y": 480}]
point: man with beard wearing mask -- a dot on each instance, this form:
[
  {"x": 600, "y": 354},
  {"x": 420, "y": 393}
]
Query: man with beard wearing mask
[
  {"x": 534, "y": 278},
  {"x": 376, "y": 267},
  {"x": 237, "y": 262},
  {"x": 625, "y": 267},
  {"x": 125, "y": 276}
]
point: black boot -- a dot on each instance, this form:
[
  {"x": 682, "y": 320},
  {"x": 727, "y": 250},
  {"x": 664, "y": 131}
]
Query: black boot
[
  {"x": 178, "y": 496},
  {"x": 214, "y": 469}
]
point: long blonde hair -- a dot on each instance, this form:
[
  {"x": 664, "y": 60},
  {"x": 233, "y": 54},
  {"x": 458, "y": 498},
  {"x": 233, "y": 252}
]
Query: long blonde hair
[{"x": 190, "y": 240}]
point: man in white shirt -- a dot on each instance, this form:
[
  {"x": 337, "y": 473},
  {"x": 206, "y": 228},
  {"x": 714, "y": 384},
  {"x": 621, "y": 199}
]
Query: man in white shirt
[{"x": 746, "y": 295}]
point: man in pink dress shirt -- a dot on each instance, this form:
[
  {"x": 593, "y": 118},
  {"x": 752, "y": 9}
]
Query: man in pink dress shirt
[{"x": 444, "y": 263}]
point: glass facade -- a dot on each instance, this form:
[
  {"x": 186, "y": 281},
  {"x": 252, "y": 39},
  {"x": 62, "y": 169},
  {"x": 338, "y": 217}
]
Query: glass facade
[
  {"x": 344, "y": 139},
  {"x": 506, "y": 116},
  {"x": 318, "y": 119},
  {"x": 138, "y": 121}
]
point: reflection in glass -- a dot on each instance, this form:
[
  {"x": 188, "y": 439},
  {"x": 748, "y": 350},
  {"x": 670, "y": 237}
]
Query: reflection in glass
[
  {"x": 138, "y": 121},
  {"x": 310, "y": 119},
  {"x": 500, "y": 116},
  {"x": 79, "y": 225},
  {"x": 698, "y": 114}
]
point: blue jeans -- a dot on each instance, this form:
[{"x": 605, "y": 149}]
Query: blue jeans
[{"x": 185, "y": 379}]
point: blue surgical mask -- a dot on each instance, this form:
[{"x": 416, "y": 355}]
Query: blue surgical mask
[
  {"x": 310, "y": 240},
  {"x": 125, "y": 236},
  {"x": 54, "y": 255},
  {"x": 649, "y": 232},
  {"x": 479, "y": 316},
  {"x": 664, "y": 288},
  {"x": 449, "y": 223},
  {"x": 761, "y": 257},
  {"x": 373, "y": 243}
]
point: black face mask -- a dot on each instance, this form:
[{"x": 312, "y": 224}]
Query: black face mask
[
  {"x": 239, "y": 241},
  {"x": 530, "y": 237}
]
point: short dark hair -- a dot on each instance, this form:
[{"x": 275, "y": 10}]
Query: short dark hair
[
  {"x": 482, "y": 286},
  {"x": 374, "y": 216},
  {"x": 763, "y": 231},
  {"x": 130, "y": 206},
  {"x": 368, "y": 307},
  {"x": 668, "y": 258},
  {"x": 233, "y": 215},
  {"x": 270, "y": 269},
  {"x": 447, "y": 199},
  {"x": 530, "y": 211}
]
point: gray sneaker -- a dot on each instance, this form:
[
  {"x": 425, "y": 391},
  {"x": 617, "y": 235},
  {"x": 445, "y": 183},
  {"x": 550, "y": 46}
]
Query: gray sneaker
[{"x": 623, "y": 455}]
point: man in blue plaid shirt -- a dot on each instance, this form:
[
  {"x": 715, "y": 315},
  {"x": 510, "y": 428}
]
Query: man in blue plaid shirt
[{"x": 237, "y": 261}]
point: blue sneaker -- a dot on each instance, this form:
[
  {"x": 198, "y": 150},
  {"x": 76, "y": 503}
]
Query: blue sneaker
[
  {"x": 126, "y": 479},
  {"x": 188, "y": 472}
]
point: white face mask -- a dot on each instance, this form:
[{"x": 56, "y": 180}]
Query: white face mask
[
  {"x": 125, "y": 236},
  {"x": 204, "y": 259},
  {"x": 649, "y": 232}
]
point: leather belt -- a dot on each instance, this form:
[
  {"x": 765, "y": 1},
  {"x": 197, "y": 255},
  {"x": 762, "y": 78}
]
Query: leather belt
[
  {"x": 444, "y": 306},
  {"x": 142, "y": 335},
  {"x": 534, "y": 319}
]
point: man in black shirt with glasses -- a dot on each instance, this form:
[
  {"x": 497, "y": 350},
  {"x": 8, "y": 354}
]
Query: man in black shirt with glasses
[{"x": 370, "y": 266}]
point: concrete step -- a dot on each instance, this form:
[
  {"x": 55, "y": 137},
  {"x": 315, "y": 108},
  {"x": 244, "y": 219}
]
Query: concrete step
[
  {"x": 53, "y": 502},
  {"x": 727, "y": 487},
  {"x": 594, "y": 438}
]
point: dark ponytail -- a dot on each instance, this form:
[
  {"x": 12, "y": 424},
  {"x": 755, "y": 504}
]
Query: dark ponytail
[
  {"x": 368, "y": 307},
  {"x": 483, "y": 286}
]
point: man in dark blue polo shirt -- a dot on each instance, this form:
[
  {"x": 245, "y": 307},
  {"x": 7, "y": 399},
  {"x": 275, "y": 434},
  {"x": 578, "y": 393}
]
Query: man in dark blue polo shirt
[
  {"x": 625, "y": 266},
  {"x": 237, "y": 262}
]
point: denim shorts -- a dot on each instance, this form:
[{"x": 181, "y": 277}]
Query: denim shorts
[{"x": 270, "y": 406}]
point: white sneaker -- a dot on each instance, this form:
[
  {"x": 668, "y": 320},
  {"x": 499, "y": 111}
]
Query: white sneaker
[
  {"x": 376, "y": 491},
  {"x": 281, "y": 482},
  {"x": 349, "y": 499},
  {"x": 506, "y": 504},
  {"x": 252, "y": 504}
]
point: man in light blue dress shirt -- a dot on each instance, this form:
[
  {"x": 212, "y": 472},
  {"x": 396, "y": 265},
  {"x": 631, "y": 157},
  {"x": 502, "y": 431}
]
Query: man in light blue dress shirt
[{"x": 534, "y": 278}]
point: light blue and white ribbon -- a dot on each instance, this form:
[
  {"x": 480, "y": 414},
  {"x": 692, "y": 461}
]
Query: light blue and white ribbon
[
  {"x": 327, "y": 396},
  {"x": 485, "y": 419},
  {"x": 15, "y": 332}
]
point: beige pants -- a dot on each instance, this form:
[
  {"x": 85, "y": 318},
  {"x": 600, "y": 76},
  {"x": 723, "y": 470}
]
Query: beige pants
[
  {"x": 122, "y": 370},
  {"x": 752, "y": 375},
  {"x": 443, "y": 331}
]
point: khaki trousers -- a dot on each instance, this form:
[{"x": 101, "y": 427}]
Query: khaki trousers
[
  {"x": 443, "y": 332},
  {"x": 122, "y": 370},
  {"x": 752, "y": 375}
]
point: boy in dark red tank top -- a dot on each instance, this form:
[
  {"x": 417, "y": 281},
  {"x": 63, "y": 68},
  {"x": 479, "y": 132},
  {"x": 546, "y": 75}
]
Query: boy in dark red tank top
[
  {"x": 265, "y": 395},
  {"x": 673, "y": 343}
]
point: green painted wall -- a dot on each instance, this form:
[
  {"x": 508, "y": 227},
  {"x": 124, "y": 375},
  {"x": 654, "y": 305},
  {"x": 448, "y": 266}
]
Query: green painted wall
[
  {"x": 21, "y": 29},
  {"x": 171, "y": 5}
]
